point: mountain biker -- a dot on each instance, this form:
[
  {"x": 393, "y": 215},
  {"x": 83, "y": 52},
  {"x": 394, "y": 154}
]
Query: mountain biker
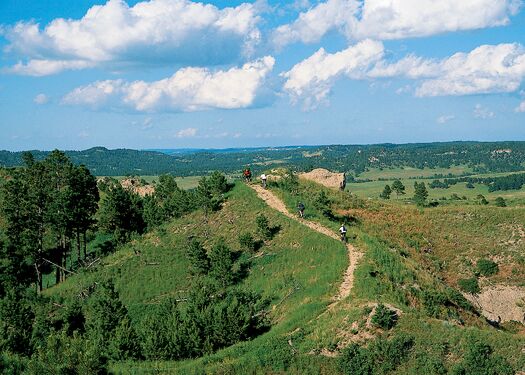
[
  {"x": 247, "y": 174},
  {"x": 342, "y": 230},
  {"x": 263, "y": 180},
  {"x": 300, "y": 208}
]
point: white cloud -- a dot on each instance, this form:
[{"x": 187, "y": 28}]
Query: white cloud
[
  {"x": 486, "y": 69},
  {"x": 311, "y": 25},
  {"x": 155, "y": 31},
  {"x": 482, "y": 112},
  {"x": 41, "y": 99},
  {"x": 185, "y": 133},
  {"x": 445, "y": 118},
  {"x": 189, "y": 89},
  {"x": 394, "y": 19},
  {"x": 310, "y": 80},
  {"x": 520, "y": 107}
]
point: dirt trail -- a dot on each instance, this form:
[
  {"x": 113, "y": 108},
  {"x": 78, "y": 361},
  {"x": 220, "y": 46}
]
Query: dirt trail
[{"x": 348, "y": 281}]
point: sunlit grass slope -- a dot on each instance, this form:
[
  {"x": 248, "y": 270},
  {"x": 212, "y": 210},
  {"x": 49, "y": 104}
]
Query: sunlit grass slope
[{"x": 298, "y": 270}]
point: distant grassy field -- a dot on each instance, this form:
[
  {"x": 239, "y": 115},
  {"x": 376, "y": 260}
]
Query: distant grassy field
[
  {"x": 374, "y": 188},
  {"x": 408, "y": 172}
]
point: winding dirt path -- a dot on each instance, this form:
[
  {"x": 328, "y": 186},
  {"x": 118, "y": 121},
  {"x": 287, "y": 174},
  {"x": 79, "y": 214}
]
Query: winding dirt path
[{"x": 348, "y": 280}]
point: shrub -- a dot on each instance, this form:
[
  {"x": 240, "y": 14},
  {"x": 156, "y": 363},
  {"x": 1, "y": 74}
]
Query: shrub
[
  {"x": 263, "y": 227},
  {"x": 221, "y": 262},
  {"x": 487, "y": 267},
  {"x": 480, "y": 360},
  {"x": 469, "y": 285},
  {"x": 380, "y": 357},
  {"x": 500, "y": 202},
  {"x": 290, "y": 182},
  {"x": 199, "y": 261},
  {"x": 247, "y": 242},
  {"x": 384, "y": 317}
]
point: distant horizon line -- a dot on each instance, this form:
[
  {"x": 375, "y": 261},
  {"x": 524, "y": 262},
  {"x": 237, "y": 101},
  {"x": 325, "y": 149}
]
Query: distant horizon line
[{"x": 262, "y": 147}]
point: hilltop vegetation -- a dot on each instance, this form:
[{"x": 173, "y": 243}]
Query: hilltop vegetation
[
  {"x": 212, "y": 280},
  {"x": 451, "y": 157}
]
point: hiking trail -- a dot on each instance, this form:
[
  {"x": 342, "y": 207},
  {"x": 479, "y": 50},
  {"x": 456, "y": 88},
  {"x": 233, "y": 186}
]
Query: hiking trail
[{"x": 353, "y": 254}]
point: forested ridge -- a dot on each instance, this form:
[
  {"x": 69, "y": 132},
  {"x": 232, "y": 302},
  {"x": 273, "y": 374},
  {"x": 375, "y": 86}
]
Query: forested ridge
[{"x": 481, "y": 157}]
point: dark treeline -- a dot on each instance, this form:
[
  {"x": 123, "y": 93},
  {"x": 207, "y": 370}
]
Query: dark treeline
[
  {"x": 480, "y": 156},
  {"x": 509, "y": 182},
  {"x": 52, "y": 214}
]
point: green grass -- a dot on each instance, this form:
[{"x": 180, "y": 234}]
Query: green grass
[
  {"x": 408, "y": 172},
  {"x": 295, "y": 258},
  {"x": 300, "y": 271},
  {"x": 372, "y": 189}
]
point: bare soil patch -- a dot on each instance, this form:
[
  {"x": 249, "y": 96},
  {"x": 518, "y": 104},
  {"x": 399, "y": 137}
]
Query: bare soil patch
[
  {"x": 324, "y": 177},
  {"x": 501, "y": 303}
]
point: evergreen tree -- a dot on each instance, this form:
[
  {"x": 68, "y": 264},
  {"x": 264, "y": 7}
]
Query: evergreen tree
[
  {"x": 199, "y": 261},
  {"x": 385, "y": 194},
  {"x": 398, "y": 187},
  {"x": 121, "y": 213},
  {"x": 221, "y": 264},
  {"x": 218, "y": 183},
  {"x": 420, "y": 193}
]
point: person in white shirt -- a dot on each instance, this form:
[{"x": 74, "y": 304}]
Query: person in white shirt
[
  {"x": 342, "y": 230},
  {"x": 263, "y": 179}
]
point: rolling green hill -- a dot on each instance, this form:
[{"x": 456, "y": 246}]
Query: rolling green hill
[
  {"x": 299, "y": 272},
  {"x": 363, "y": 161}
]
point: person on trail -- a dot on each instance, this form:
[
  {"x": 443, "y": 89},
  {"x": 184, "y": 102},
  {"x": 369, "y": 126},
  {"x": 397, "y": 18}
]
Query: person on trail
[
  {"x": 247, "y": 174},
  {"x": 342, "y": 184},
  {"x": 342, "y": 230},
  {"x": 300, "y": 208},
  {"x": 263, "y": 180}
]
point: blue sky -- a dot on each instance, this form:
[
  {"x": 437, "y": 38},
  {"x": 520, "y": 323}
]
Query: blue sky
[{"x": 177, "y": 74}]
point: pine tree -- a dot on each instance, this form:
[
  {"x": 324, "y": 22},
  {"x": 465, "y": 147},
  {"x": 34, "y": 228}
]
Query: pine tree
[
  {"x": 420, "y": 193},
  {"x": 199, "y": 261},
  {"x": 385, "y": 194},
  {"x": 221, "y": 262},
  {"x": 398, "y": 187}
]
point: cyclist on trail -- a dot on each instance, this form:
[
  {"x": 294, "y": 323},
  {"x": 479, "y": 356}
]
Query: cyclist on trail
[
  {"x": 342, "y": 230},
  {"x": 263, "y": 180},
  {"x": 247, "y": 174},
  {"x": 300, "y": 208}
]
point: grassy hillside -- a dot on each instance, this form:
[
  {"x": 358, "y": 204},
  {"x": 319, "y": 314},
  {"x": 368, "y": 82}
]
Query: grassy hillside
[{"x": 299, "y": 271}]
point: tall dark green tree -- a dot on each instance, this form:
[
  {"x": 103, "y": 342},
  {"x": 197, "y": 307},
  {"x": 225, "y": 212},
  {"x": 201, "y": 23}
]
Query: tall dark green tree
[
  {"x": 82, "y": 204},
  {"x": 59, "y": 215},
  {"x": 398, "y": 187},
  {"x": 121, "y": 213},
  {"x": 385, "y": 194},
  {"x": 420, "y": 193}
]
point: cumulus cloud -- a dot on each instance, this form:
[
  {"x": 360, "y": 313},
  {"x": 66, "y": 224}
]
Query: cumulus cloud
[
  {"x": 185, "y": 133},
  {"x": 486, "y": 69},
  {"x": 155, "y": 32},
  {"x": 189, "y": 89},
  {"x": 311, "y": 25},
  {"x": 41, "y": 99},
  {"x": 394, "y": 19},
  {"x": 520, "y": 107},
  {"x": 311, "y": 80},
  {"x": 445, "y": 118},
  {"x": 482, "y": 112}
]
